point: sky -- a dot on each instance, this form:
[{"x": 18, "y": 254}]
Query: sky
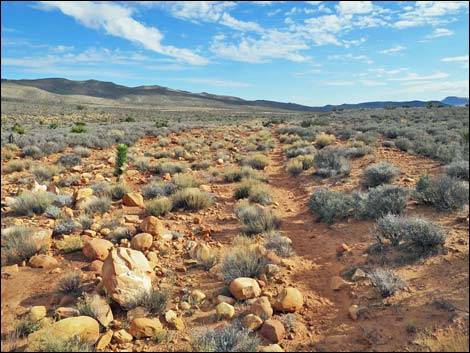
[{"x": 311, "y": 52}]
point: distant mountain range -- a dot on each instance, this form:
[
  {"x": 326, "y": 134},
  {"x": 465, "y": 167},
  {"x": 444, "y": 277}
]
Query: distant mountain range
[{"x": 49, "y": 89}]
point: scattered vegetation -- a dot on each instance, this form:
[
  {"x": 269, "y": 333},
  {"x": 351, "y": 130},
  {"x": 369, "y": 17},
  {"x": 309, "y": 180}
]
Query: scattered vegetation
[
  {"x": 443, "y": 193},
  {"x": 380, "y": 173},
  {"x": 385, "y": 281}
]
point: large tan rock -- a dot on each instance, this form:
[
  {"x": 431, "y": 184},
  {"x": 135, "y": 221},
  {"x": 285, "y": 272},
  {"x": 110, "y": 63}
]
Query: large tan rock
[
  {"x": 97, "y": 249},
  {"x": 244, "y": 288},
  {"x": 144, "y": 327},
  {"x": 133, "y": 199},
  {"x": 252, "y": 322},
  {"x": 101, "y": 308},
  {"x": 153, "y": 226},
  {"x": 37, "y": 313},
  {"x": 225, "y": 310},
  {"x": 43, "y": 261},
  {"x": 273, "y": 330},
  {"x": 142, "y": 241},
  {"x": 290, "y": 300},
  {"x": 85, "y": 327},
  {"x": 126, "y": 275},
  {"x": 262, "y": 308}
]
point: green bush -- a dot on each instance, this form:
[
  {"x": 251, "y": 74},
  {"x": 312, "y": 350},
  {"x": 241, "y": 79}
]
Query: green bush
[
  {"x": 159, "y": 206},
  {"x": 121, "y": 157},
  {"x": 28, "y": 203},
  {"x": 329, "y": 205},
  {"x": 443, "y": 193},
  {"x": 330, "y": 162},
  {"x": 380, "y": 201},
  {"x": 191, "y": 199},
  {"x": 256, "y": 219},
  {"x": 257, "y": 161},
  {"x": 18, "y": 244},
  {"x": 380, "y": 173}
]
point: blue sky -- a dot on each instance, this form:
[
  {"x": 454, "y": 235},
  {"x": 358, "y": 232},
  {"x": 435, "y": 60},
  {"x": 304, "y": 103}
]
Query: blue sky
[{"x": 310, "y": 52}]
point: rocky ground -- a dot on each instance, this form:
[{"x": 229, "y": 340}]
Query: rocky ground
[{"x": 314, "y": 300}]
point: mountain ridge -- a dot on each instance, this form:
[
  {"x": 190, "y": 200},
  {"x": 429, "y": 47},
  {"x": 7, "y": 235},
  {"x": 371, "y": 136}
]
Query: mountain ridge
[{"x": 110, "y": 90}]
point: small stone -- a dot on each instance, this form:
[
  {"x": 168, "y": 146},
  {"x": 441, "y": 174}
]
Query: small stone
[
  {"x": 137, "y": 313},
  {"x": 343, "y": 248},
  {"x": 272, "y": 269},
  {"x": 144, "y": 327},
  {"x": 142, "y": 241},
  {"x": 252, "y": 322},
  {"x": 353, "y": 312},
  {"x": 95, "y": 266},
  {"x": 262, "y": 308},
  {"x": 104, "y": 340},
  {"x": 184, "y": 306},
  {"x": 122, "y": 336},
  {"x": 65, "y": 312},
  {"x": 197, "y": 296},
  {"x": 224, "y": 299},
  {"x": 273, "y": 330},
  {"x": 133, "y": 199},
  {"x": 97, "y": 249},
  {"x": 225, "y": 310},
  {"x": 358, "y": 275},
  {"x": 337, "y": 283}
]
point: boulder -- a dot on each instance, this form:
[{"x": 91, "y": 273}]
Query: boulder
[
  {"x": 290, "y": 300},
  {"x": 144, "y": 327},
  {"x": 153, "y": 226},
  {"x": 244, "y": 288},
  {"x": 37, "y": 313},
  {"x": 133, "y": 199},
  {"x": 95, "y": 266},
  {"x": 225, "y": 310},
  {"x": 122, "y": 336},
  {"x": 252, "y": 322},
  {"x": 142, "y": 241},
  {"x": 273, "y": 330},
  {"x": 126, "y": 275},
  {"x": 97, "y": 249},
  {"x": 85, "y": 327},
  {"x": 43, "y": 261},
  {"x": 262, "y": 308}
]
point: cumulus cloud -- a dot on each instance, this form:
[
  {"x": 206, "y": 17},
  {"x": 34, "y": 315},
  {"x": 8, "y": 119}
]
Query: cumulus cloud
[{"x": 117, "y": 20}]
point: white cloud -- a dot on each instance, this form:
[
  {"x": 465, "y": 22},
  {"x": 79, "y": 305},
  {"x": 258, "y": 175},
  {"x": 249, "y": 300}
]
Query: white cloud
[
  {"x": 271, "y": 45},
  {"x": 349, "y": 57},
  {"x": 456, "y": 58},
  {"x": 338, "y": 83},
  {"x": 393, "y": 50},
  {"x": 354, "y": 7},
  {"x": 117, "y": 20},
  {"x": 416, "y": 77},
  {"x": 429, "y": 12},
  {"x": 440, "y": 32},
  {"x": 372, "y": 83},
  {"x": 447, "y": 88}
]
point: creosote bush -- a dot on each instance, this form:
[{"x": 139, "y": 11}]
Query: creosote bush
[
  {"x": 380, "y": 201},
  {"x": 330, "y": 162},
  {"x": 225, "y": 339},
  {"x": 242, "y": 260},
  {"x": 329, "y": 205},
  {"x": 443, "y": 193},
  {"x": 254, "y": 190},
  {"x": 191, "y": 199},
  {"x": 257, "y": 161},
  {"x": 380, "y": 173},
  {"x": 28, "y": 203},
  {"x": 158, "y": 206},
  {"x": 69, "y": 160},
  {"x": 385, "y": 281},
  {"x": 280, "y": 244},
  {"x": 18, "y": 244},
  {"x": 256, "y": 219},
  {"x": 154, "y": 301}
]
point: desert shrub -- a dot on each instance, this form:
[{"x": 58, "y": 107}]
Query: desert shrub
[
  {"x": 202, "y": 165},
  {"x": 257, "y": 161},
  {"x": 162, "y": 154},
  {"x": 256, "y": 219},
  {"x": 443, "y": 193},
  {"x": 97, "y": 205},
  {"x": 69, "y": 244},
  {"x": 237, "y": 174},
  {"x": 306, "y": 160},
  {"x": 185, "y": 180},
  {"x": 18, "y": 128},
  {"x": 380, "y": 201},
  {"x": 67, "y": 226},
  {"x": 164, "y": 142},
  {"x": 280, "y": 244},
  {"x": 82, "y": 151},
  {"x": 101, "y": 188},
  {"x": 50, "y": 342},
  {"x": 70, "y": 284},
  {"x": 170, "y": 168},
  {"x": 69, "y": 160},
  {"x": 142, "y": 163},
  {"x": 403, "y": 144},
  {"x": 254, "y": 190},
  {"x": 294, "y": 167},
  {"x": 380, "y": 173},
  {"x": 53, "y": 212},
  {"x": 458, "y": 170},
  {"x": 154, "y": 301},
  {"x": 78, "y": 129},
  {"x": 87, "y": 305},
  {"x": 243, "y": 260},
  {"x": 28, "y": 203},
  {"x": 26, "y": 326},
  {"x": 85, "y": 221},
  {"x": 117, "y": 191},
  {"x": 323, "y": 140},
  {"x": 225, "y": 339},
  {"x": 329, "y": 162},
  {"x": 158, "y": 206},
  {"x": 424, "y": 235},
  {"x": 120, "y": 232},
  {"x": 18, "y": 244},
  {"x": 31, "y": 151},
  {"x": 61, "y": 200},
  {"x": 68, "y": 181},
  {"x": 329, "y": 205},
  {"x": 388, "y": 144},
  {"x": 158, "y": 189},
  {"x": 385, "y": 281},
  {"x": 191, "y": 199},
  {"x": 16, "y": 166},
  {"x": 44, "y": 172}
]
